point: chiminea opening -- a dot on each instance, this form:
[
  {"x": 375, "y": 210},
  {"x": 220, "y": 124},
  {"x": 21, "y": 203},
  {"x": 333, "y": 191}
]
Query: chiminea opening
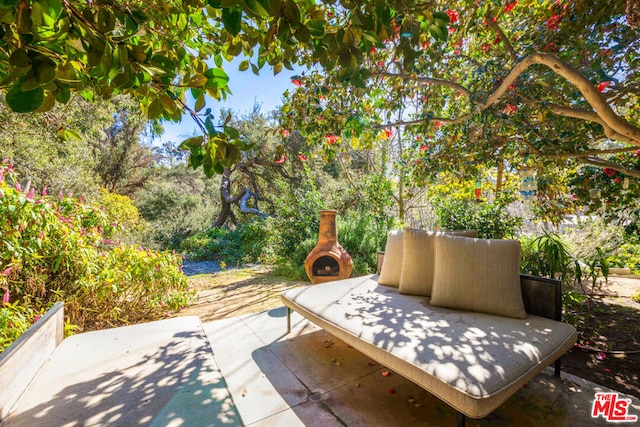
[
  {"x": 328, "y": 260},
  {"x": 325, "y": 266}
]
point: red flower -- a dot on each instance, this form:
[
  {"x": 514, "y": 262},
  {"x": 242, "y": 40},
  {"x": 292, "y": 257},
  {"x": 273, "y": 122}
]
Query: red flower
[
  {"x": 494, "y": 19},
  {"x": 451, "y": 30},
  {"x": 373, "y": 50},
  {"x": 602, "y": 86},
  {"x": 32, "y": 194},
  {"x": 424, "y": 147},
  {"x": 388, "y": 132},
  {"x": 553, "y": 22},
  {"x": 453, "y": 15},
  {"x": 285, "y": 133},
  {"x": 18, "y": 188},
  {"x": 296, "y": 81},
  {"x": 609, "y": 172},
  {"x": 485, "y": 47},
  {"x": 6, "y": 272},
  {"x": 637, "y": 154},
  {"x": 618, "y": 180},
  {"x": 331, "y": 139},
  {"x": 511, "y": 87},
  {"x": 437, "y": 123},
  {"x": 5, "y": 297},
  {"x": 282, "y": 159},
  {"x": 509, "y": 7},
  {"x": 302, "y": 157},
  {"x": 44, "y": 191},
  {"x": 510, "y": 109},
  {"x": 496, "y": 40},
  {"x": 425, "y": 45},
  {"x": 380, "y": 64}
]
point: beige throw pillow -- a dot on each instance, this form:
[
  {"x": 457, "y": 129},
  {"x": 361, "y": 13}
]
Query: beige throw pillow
[
  {"x": 478, "y": 275},
  {"x": 392, "y": 263},
  {"x": 419, "y": 257}
]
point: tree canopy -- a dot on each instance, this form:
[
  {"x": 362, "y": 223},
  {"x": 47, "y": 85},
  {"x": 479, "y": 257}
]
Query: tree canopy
[{"x": 545, "y": 78}]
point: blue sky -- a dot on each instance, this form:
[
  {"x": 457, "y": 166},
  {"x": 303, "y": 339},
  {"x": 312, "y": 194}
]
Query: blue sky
[{"x": 246, "y": 88}]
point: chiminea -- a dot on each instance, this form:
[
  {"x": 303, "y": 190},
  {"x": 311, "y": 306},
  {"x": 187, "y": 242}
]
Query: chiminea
[{"x": 328, "y": 260}]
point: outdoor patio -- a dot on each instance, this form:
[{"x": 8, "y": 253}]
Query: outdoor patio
[{"x": 165, "y": 374}]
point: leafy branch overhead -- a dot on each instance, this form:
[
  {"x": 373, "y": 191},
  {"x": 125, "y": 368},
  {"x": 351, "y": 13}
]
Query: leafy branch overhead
[
  {"x": 158, "y": 51},
  {"x": 523, "y": 78}
]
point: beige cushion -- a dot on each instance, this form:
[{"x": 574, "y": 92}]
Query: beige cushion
[
  {"x": 419, "y": 257},
  {"x": 392, "y": 263},
  {"x": 478, "y": 275}
]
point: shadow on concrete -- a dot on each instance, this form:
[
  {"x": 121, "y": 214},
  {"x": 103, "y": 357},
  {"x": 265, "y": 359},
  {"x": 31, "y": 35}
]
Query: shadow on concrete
[{"x": 177, "y": 384}]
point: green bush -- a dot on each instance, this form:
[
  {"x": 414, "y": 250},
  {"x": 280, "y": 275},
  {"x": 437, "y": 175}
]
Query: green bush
[
  {"x": 247, "y": 243},
  {"x": 60, "y": 249},
  {"x": 490, "y": 220},
  {"x": 627, "y": 255},
  {"x": 363, "y": 235},
  {"x": 545, "y": 256}
]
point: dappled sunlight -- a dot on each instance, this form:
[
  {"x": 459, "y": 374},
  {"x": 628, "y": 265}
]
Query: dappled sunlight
[
  {"x": 132, "y": 388},
  {"x": 474, "y": 352}
]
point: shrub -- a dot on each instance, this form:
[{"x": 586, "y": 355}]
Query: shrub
[
  {"x": 53, "y": 250},
  {"x": 627, "y": 255},
  {"x": 362, "y": 235},
  {"x": 490, "y": 220},
  {"x": 247, "y": 243},
  {"x": 546, "y": 256},
  {"x": 123, "y": 214}
]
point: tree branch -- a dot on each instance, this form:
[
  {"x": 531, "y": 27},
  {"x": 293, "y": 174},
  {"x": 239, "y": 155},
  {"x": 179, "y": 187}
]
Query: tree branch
[
  {"x": 596, "y": 161},
  {"x": 500, "y": 33}
]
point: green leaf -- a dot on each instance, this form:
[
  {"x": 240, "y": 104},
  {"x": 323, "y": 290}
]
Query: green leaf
[
  {"x": 155, "y": 109},
  {"x": 231, "y": 132},
  {"x": 44, "y": 72},
  {"x": 200, "y": 102},
  {"x": 232, "y": 20},
  {"x": 441, "y": 15},
  {"x": 316, "y": 27},
  {"x": 20, "y": 58},
  {"x": 255, "y": 8},
  {"x": 244, "y": 65},
  {"x": 24, "y": 101},
  {"x": 198, "y": 80},
  {"x": 193, "y": 142},
  {"x": 217, "y": 76}
]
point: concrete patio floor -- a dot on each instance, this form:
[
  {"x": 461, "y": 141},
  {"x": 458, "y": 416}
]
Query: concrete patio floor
[{"x": 247, "y": 371}]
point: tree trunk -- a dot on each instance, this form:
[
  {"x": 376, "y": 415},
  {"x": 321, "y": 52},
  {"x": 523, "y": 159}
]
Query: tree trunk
[{"x": 499, "y": 177}]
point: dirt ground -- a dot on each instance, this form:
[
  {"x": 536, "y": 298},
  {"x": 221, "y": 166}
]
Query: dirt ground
[
  {"x": 235, "y": 292},
  {"x": 607, "y": 352},
  {"x": 608, "y": 349}
]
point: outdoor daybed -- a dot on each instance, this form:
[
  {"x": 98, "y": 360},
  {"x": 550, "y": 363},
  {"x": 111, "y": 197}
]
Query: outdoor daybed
[{"x": 450, "y": 313}]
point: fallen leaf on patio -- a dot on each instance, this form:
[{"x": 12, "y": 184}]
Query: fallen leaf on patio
[
  {"x": 418, "y": 405},
  {"x": 244, "y": 392},
  {"x": 338, "y": 363},
  {"x": 391, "y": 391},
  {"x": 385, "y": 373},
  {"x": 607, "y": 370},
  {"x": 411, "y": 400},
  {"x": 601, "y": 356}
]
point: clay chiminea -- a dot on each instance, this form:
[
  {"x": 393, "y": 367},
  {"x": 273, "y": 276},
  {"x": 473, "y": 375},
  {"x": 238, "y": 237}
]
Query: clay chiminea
[{"x": 328, "y": 260}]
